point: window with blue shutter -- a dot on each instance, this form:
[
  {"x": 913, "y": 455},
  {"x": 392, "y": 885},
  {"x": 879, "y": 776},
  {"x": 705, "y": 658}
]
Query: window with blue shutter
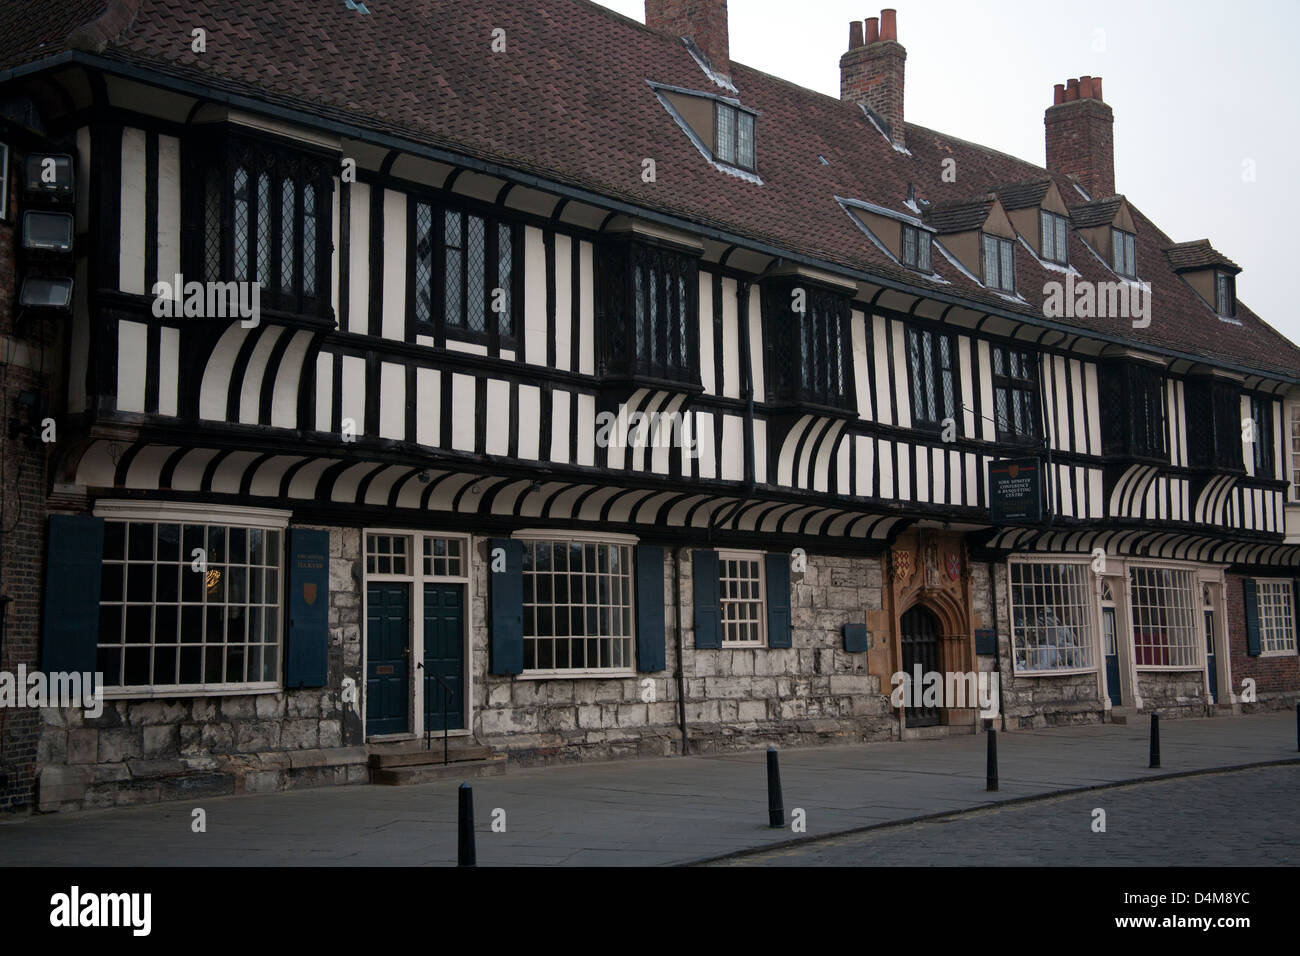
[
  {"x": 704, "y": 572},
  {"x": 1248, "y": 591},
  {"x": 506, "y": 575},
  {"x": 72, "y": 577},
  {"x": 306, "y": 656},
  {"x": 779, "y": 632},
  {"x": 650, "y": 655}
]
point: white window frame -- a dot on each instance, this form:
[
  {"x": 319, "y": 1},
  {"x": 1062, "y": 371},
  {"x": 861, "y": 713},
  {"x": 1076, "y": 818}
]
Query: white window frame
[
  {"x": 1090, "y": 636},
  {"x": 1053, "y": 229},
  {"x": 758, "y": 557},
  {"x": 1293, "y": 453},
  {"x": 1194, "y": 612},
  {"x": 1285, "y": 643},
  {"x": 606, "y": 540},
  {"x": 208, "y": 516}
]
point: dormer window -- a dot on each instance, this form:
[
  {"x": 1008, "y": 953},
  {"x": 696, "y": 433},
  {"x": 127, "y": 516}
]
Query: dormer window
[
  {"x": 1055, "y": 240},
  {"x": 735, "y": 128},
  {"x": 1123, "y": 253},
  {"x": 999, "y": 264},
  {"x": 1225, "y": 294},
  {"x": 917, "y": 251}
]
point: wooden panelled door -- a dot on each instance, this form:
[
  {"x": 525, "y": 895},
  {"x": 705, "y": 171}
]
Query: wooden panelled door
[
  {"x": 444, "y": 656},
  {"x": 388, "y": 658}
]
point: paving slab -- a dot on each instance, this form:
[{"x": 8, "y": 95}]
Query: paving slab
[{"x": 637, "y": 812}]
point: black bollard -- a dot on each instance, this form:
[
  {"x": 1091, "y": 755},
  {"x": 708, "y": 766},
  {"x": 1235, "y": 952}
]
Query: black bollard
[
  {"x": 1155, "y": 741},
  {"x": 775, "y": 805},
  {"x": 465, "y": 855},
  {"x": 992, "y": 772},
  {"x": 1297, "y": 725}
]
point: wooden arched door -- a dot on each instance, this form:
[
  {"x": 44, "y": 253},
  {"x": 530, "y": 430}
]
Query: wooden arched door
[{"x": 919, "y": 637}]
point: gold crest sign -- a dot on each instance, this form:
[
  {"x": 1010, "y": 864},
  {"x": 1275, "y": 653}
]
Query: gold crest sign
[{"x": 309, "y": 593}]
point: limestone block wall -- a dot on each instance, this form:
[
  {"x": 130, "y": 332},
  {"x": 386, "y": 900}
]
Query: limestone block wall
[{"x": 143, "y": 751}]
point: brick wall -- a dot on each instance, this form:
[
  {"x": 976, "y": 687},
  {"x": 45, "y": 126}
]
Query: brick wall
[
  {"x": 1277, "y": 679},
  {"x": 704, "y": 21},
  {"x": 25, "y": 366},
  {"x": 1081, "y": 142},
  {"x": 873, "y": 75}
]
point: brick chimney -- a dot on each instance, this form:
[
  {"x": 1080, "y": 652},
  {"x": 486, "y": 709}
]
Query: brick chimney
[
  {"x": 703, "y": 22},
  {"x": 1081, "y": 135},
  {"x": 871, "y": 73}
]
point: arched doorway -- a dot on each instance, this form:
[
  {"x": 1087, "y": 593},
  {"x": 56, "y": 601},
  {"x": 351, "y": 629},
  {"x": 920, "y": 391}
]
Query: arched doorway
[{"x": 919, "y": 638}]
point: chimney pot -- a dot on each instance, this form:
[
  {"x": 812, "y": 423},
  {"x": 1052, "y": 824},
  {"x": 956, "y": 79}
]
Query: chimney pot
[
  {"x": 1081, "y": 140},
  {"x": 855, "y": 34},
  {"x": 889, "y": 25},
  {"x": 872, "y": 75}
]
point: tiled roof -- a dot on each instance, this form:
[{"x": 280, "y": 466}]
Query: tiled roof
[
  {"x": 1185, "y": 256},
  {"x": 568, "y": 101},
  {"x": 960, "y": 216},
  {"x": 1023, "y": 195},
  {"x": 1099, "y": 212}
]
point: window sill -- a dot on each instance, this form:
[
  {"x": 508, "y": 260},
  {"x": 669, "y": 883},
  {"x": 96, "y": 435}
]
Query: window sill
[
  {"x": 160, "y": 693},
  {"x": 1172, "y": 668},
  {"x": 1283, "y": 653},
  {"x": 1055, "y": 672},
  {"x": 576, "y": 675},
  {"x": 743, "y": 646}
]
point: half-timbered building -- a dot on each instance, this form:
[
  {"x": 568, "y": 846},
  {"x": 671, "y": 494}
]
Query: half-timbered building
[{"x": 522, "y": 372}]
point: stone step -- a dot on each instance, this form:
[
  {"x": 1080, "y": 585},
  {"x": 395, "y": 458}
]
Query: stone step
[
  {"x": 1123, "y": 715},
  {"x": 412, "y": 753},
  {"x": 937, "y": 733},
  {"x": 494, "y": 766}
]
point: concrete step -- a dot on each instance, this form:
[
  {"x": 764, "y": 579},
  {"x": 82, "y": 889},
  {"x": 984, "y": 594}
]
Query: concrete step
[
  {"x": 494, "y": 766},
  {"x": 413, "y": 754},
  {"x": 1123, "y": 715},
  {"x": 936, "y": 733}
]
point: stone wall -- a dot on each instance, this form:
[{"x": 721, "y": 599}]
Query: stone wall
[
  {"x": 734, "y": 699},
  {"x": 1173, "y": 693},
  {"x": 187, "y": 748}
]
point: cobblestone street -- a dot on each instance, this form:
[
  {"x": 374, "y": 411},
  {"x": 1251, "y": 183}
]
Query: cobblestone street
[{"x": 1242, "y": 818}]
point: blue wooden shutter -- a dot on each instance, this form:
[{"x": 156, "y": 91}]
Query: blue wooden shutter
[
  {"x": 507, "y": 640},
  {"x": 778, "y": 601},
  {"x": 72, "y": 571},
  {"x": 1252, "y": 616},
  {"x": 704, "y": 572},
  {"x": 306, "y": 653},
  {"x": 650, "y": 657}
]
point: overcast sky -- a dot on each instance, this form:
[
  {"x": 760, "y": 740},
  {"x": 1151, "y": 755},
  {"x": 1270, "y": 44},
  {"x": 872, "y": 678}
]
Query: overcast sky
[{"x": 1199, "y": 88}]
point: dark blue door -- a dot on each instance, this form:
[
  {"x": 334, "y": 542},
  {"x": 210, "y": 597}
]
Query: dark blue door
[
  {"x": 388, "y": 656},
  {"x": 444, "y": 656},
  {"x": 1111, "y": 644},
  {"x": 1210, "y": 656}
]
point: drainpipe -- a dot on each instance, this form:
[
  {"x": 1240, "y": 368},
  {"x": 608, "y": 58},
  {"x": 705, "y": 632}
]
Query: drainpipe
[{"x": 677, "y": 634}]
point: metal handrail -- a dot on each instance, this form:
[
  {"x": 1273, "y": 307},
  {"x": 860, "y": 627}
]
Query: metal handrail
[{"x": 446, "y": 689}]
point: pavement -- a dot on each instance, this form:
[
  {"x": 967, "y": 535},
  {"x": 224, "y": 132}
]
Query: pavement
[{"x": 674, "y": 810}]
